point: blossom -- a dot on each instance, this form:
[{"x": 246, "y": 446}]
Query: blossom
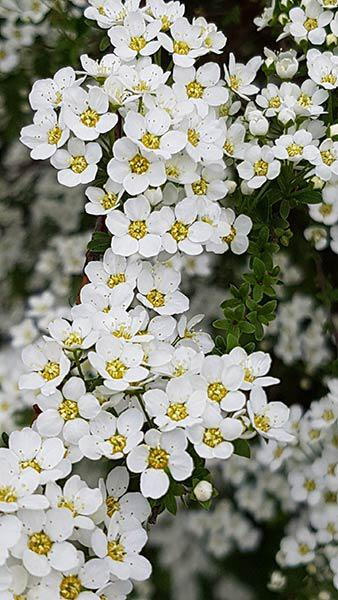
[
  {"x": 323, "y": 68},
  {"x": 17, "y": 486},
  {"x": 230, "y": 231},
  {"x": 135, "y": 37},
  {"x": 49, "y": 93},
  {"x": 184, "y": 231},
  {"x": 212, "y": 439},
  {"x": 160, "y": 451},
  {"x": 86, "y": 113},
  {"x": 73, "y": 336},
  {"x": 296, "y": 147},
  {"x": 142, "y": 78},
  {"x": 103, "y": 201},
  {"x": 116, "y": 273},
  {"x": 48, "y": 364},
  {"x": 239, "y": 77},
  {"x": 268, "y": 418},
  {"x": 108, "y": 65},
  {"x": 118, "y": 503},
  {"x": 201, "y": 88},
  {"x": 158, "y": 289},
  {"x": 309, "y": 23},
  {"x": 222, "y": 380},
  {"x": 76, "y": 497},
  {"x": 299, "y": 548},
  {"x": 259, "y": 166},
  {"x": 118, "y": 362},
  {"x": 77, "y": 164},
  {"x": 185, "y": 43},
  {"x": 34, "y": 452},
  {"x": 151, "y": 133},
  {"x": 46, "y": 135}
]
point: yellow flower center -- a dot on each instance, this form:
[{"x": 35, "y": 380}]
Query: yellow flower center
[
  {"x": 54, "y": 135},
  {"x": 137, "y": 43},
  {"x": 275, "y": 102},
  {"x": 78, "y": 164},
  {"x": 325, "y": 209},
  {"x": 68, "y": 504},
  {"x": 249, "y": 376},
  {"x": 303, "y": 549},
  {"x": 200, "y": 187},
  {"x": 101, "y": 10},
  {"x": 294, "y": 150},
  {"x": 156, "y": 298},
  {"x": 328, "y": 415},
  {"x": 166, "y": 23},
  {"x": 314, "y": 434},
  {"x": 116, "y": 551},
  {"x": 217, "y": 391},
  {"x": 40, "y": 543},
  {"x": 177, "y": 412},
  {"x": 235, "y": 82},
  {"x": 213, "y": 437},
  {"x": 33, "y": 464},
  {"x": 116, "y": 279},
  {"x": 50, "y": 371},
  {"x": 278, "y": 452},
  {"x": 139, "y": 164},
  {"x": 193, "y": 137},
  {"x": 179, "y": 231},
  {"x": 329, "y": 78},
  {"x": 116, "y": 368},
  {"x": 158, "y": 458},
  {"x": 310, "y": 24},
  {"x": 261, "y": 168},
  {"x": 181, "y": 48},
  {"x": 74, "y": 339},
  {"x": 8, "y": 494},
  {"x": 310, "y": 485},
  {"x": 112, "y": 505},
  {"x": 90, "y": 117},
  {"x": 194, "y": 90},
  {"x": 172, "y": 171},
  {"x": 330, "y": 497},
  {"x": 224, "y": 110},
  {"x": 328, "y": 157},
  {"x": 122, "y": 332},
  {"x": 305, "y": 100},
  {"x": 68, "y": 410},
  {"x": 108, "y": 201},
  {"x": 149, "y": 140},
  {"x": 229, "y": 147},
  {"x": 70, "y": 587},
  {"x": 137, "y": 229},
  {"x": 229, "y": 238},
  {"x": 262, "y": 422},
  {"x": 142, "y": 86},
  {"x": 118, "y": 443}
]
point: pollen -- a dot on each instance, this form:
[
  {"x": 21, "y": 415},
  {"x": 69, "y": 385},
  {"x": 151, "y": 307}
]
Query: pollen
[
  {"x": 193, "y": 137},
  {"x": 68, "y": 410},
  {"x": 179, "y": 231},
  {"x": 116, "y": 279},
  {"x": 217, "y": 391},
  {"x": 329, "y": 78},
  {"x": 172, "y": 171},
  {"x": 328, "y": 415},
  {"x": 74, "y": 339},
  {"x": 137, "y": 229},
  {"x": 304, "y": 100},
  {"x": 303, "y": 549},
  {"x": 328, "y": 157},
  {"x": 195, "y": 90},
  {"x": 108, "y": 201},
  {"x": 54, "y": 135},
  {"x": 68, "y": 504},
  {"x": 139, "y": 164},
  {"x": 58, "y": 98},
  {"x": 116, "y": 551},
  {"x": 118, "y": 443},
  {"x": 229, "y": 238},
  {"x": 261, "y": 168},
  {"x": 158, "y": 458},
  {"x": 181, "y": 48},
  {"x": 200, "y": 187},
  {"x": 310, "y": 24},
  {"x": 122, "y": 332},
  {"x": 7, "y": 494},
  {"x": 275, "y": 102},
  {"x": 166, "y": 23},
  {"x": 101, "y": 10},
  {"x": 325, "y": 209},
  {"x": 310, "y": 485},
  {"x": 90, "y": 117},
  {"x": 249, "y": 376},
  {"x": 224, "y": 110},
  {"x": 156, "y": 298},
  {"x": 112, "y": 505},
  {"x": 70, "y": 587},
  {"x": 40, "y": 543},
  {"x": 229, "y": 147},
  {"x": 50, "y": 371},
  {"x": 151, "y": 141},
  {"x": 142, "y": 86},
  {"x": 33, "y": 464},
  {"x": 262, "y": 422},
  {"x": 137, "y": 43},
  {"x": 294, "y": 150},
  {"x": 78, "y": 164},
  {"x": 235, "y": 82},
  {"x": 177, "y": 412},
  {"x": 213, "y": 437},
  {"x": 116, "y": 368}
]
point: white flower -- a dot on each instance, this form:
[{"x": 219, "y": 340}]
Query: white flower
[
  {"x": 166, "y": 12},
  {"x": 326, "y": 160},
  {"x": 10, "y": 527},
  {"x": 77, "y": 164},
  {"x": 109, "y": 12},
  {"x": 181, "y": 169},
  {"x": 259, "y": 166},
  {"x": 158, "y": 287},
  {"x": 325, "y": 212},
  {"x": 118, "y": 504},
  {"x": 135, "y": 37},
  {"x": 222, "y": 380},
  {"x": 286, "y": 63},
  {"x": 142, "y": 78},
  {"x": 317, "y": 236},
  {"x": 103, "y": 201},
  {"x": 298, "y": 549},
  {"x": 184, "y": 231},
  {"x": 185, "y": 43},
  {"x": 76, "y": 497},
  {"x": 258, "y": 124},
  {"x": 309, "y": 23},
  {"x": 212, "y": 439},
  {"x": 204, "y": 137},
  {"x": 129, "y": 326},
  {"x": 161, "y": 451},
  {"x": 196, "y": 339},
  {"x": 86, "y": 113},
  {"x": 152, "y": 133},
  {"x": 183, "y": 360},
  {"x": 117, "y": 590},
  {"x": 296, "y": 147},
  {"x": 17, "y": 486},
  {"x": 67, "y": 412},
  {"x": 268, "y": 419},
  {"x": 116, "y": 273},
  {"x": 118, "y": 362},
  {"x": 137, "y": 230},
  {"x": 111, "y": 436},
  {"x": 200, "y": 88},
  {"x": 133, "y": 169},
  {"x": 239, "y": 77},
  {"x": 234, "y": 145},
  {"x": 212, "y": 39},
  {"x": 203, "y": 491},
  {"x": 43, "y": 544},
  {"x": 8, "y": 57},
  {"x": 181, "y": 405},
  {"x": 210, "y": 185},
  {"x": 120, "y": 549},
  {"x": 46, "y": 135},
  {"x": 304, "y": 487},
  {"x": 72, "y": 336},
  {"x": 33, "y": 452},
  {"x": 230, "y": 231},
  {"x": 108, "y": 65},
  {"x": 49, "y": 93},
  {"x": 48, "y": 364},
  {"x": 323, "y": 68},
  {"x": 256, "y": 366}
]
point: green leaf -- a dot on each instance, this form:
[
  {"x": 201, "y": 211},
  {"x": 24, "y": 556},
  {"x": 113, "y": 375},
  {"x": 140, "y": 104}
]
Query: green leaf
[
  {"x": 246, "y": 327},
  {"x": 220, "y": 324},
  {"x": 258, "y": 267},
  {"x": 170, "y": 503},
  {"x": 5, "y": 438},
  {"x": 100, "y": 242},
  {"x": 104, "y": 44},
  {"x": 232, "y": 341},
  {"x": 242, "y": 448}
]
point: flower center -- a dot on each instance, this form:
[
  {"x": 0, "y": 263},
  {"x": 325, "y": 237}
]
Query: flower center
[
  {"x": 303, "y": 549},
  {"x": 310, "y": 24},
  {"x": 181, "y": 48},
  {"x": 328, "y": 157},
  {"x": 310, "y": 485},
  {"x": 305, "y": 100},
  {"x": 64, "y": 503},
  {"x": 295, "y": 150},
  {"x": 68, "y": 410},
  {"x": 179, "y": 231},
  {"x": 116, "y": 368},
  {"x": 54, "y": 135},
  {"x": 262, "y": 422},
  {"x": 78, "y": 164},
  {"x": 229, "y": 147},
  {"x": 158, "y": 458},
  {"x": 200, "y": 187},
  {"x": 118, "y": 443},
  {"x": 58, "y": 98},
  {"x": 139, "y": 164},
  {"x": 249, "y": 376},
  {"x": 194, "y": 89},
  {"x": 122, "y": 332},
  {"x": 325, "y": 209},
  {"x": 137, "y": 43},
  {"x": 50, "y": 371},
  {"x": 235, "y": 82},
  {"x": 172, "y": 171},
  {"x": 177, "y": 412},
  {"x": 149, "y": 140},
  {"x": 90, "y": 117},
  {"x": 329, "y": 78},
  {"x": 101, "y": 10},
  {"x": 33, "y": 464},
  {"x": 137, "y": 229},
  {"x": 166, "y": 23},
  {"x": 156, "y": 298},
  {"x": 7, "y": 494},
  {"x": 74, "y": 339},
  {"x": 217, "y": 391},
  {"x": 108, "y": 201},
  {"x": 70, "y": 587},
  {"x": 193, "y": 137},
  {"x": 112, "y": 505},
  {"x": 328, "y": 415},
  {"x": 261, "y": 168},
  {"x": 116, "y": 551},
  {"x": 40, "y": 543},
  {"x": 114, "y": 280},
  {"x": 213, "y": 437},
  {"x": 275, "y": 102},
  {"x": 229, "y": 238}
]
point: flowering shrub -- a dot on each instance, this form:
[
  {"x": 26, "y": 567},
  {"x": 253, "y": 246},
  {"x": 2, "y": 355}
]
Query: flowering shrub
[{"x": 182, "y": 159}]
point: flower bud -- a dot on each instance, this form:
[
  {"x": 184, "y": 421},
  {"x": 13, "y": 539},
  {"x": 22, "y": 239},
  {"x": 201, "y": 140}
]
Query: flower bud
[
  {"x": 277, "y": 581},
  {"x": 203, "y": 491},
  {"x": 286, "y": 65},
  {"x": 258, "y": 124},
  {"x": 331, "y": 39}
]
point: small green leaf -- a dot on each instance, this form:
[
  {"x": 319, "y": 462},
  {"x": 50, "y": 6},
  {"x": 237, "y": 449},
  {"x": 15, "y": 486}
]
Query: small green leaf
[
  {"x": 104, "y": 44},
  {"x": 242, "y": 448}
]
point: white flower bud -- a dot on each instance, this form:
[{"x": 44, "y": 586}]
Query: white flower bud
[
  {"x": 318, "y": 183},
  {"x": 331, "y": 39},
  {"x": 286, "y": 65},
  {"x": 231, "y": 185},
  {"x": 258, "y": 124},
  {"x": 203, "y": 491},
  {"x": 277, "y": 581}
]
